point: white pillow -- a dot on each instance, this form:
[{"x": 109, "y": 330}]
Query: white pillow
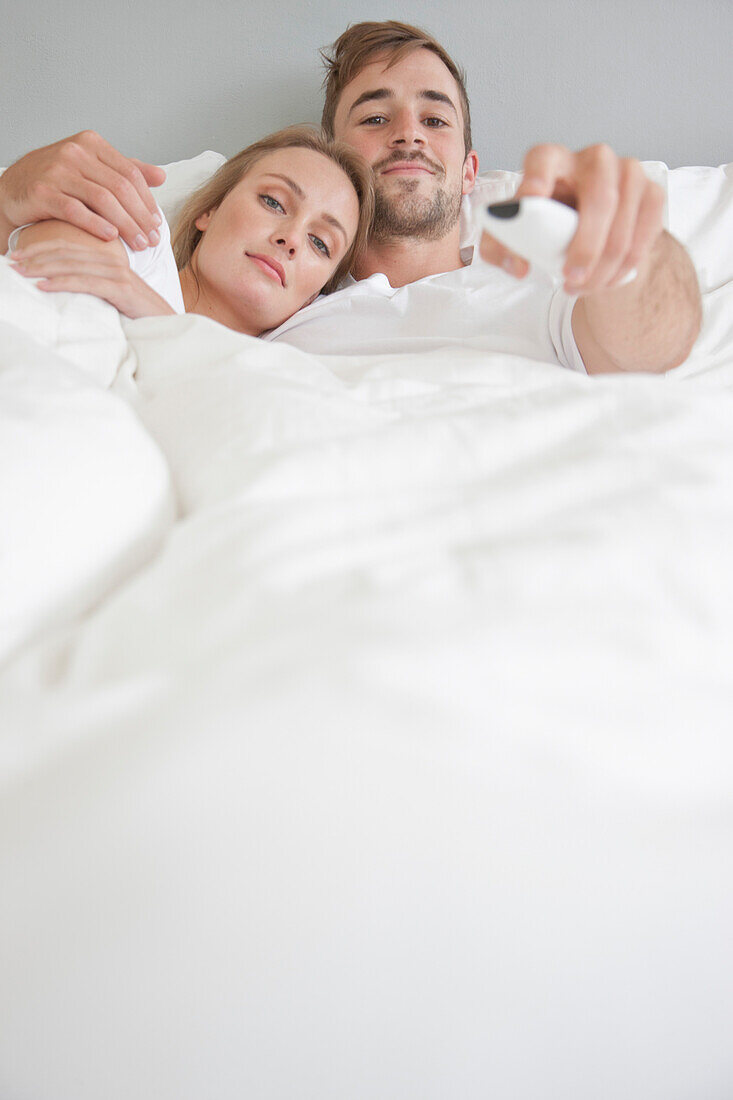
[{"x": 182, "y": 179}]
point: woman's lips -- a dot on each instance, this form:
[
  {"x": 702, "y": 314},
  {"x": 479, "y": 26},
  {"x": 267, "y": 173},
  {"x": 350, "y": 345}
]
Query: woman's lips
[{"x": 270, "y": 266}]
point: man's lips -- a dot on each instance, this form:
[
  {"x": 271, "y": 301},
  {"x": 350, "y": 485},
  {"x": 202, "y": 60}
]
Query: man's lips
[
  {"x": 270, "y": 266},
  {"x": 406, "y": 166}
]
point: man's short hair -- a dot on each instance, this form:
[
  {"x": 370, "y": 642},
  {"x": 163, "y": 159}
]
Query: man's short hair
[{"x": 363, "y": 43}]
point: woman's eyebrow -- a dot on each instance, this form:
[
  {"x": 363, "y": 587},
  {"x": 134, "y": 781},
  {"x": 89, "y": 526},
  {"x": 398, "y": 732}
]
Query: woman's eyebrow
[
  {"x": 291, "y": 184},
  {"x": 336, "y": 224}
]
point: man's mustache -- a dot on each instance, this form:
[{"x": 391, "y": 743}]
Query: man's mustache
[{"x": 400, "y": 158}]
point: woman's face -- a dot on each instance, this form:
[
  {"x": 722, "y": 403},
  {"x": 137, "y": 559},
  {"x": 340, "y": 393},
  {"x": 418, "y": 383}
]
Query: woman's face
[{"x": 275, "y": 240}]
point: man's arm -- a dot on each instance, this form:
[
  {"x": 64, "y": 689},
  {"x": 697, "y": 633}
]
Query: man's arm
[
  {"x": 85, "y": 182},
  {"x": 650, "y": 324}
]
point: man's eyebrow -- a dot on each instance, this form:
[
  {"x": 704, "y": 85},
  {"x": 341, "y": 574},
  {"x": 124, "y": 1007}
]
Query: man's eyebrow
[
  {"x": 291, "y": 184},
  {"x": 375, "y": 93},
  {"x": 439, "y": 97},
  {"x": 385, "y": 93}
]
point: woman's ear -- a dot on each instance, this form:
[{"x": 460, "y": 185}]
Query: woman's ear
[{"x": 202, "y": 222}]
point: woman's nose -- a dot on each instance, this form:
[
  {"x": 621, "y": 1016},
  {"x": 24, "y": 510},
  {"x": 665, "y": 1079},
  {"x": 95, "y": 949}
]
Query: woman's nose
[{"x": 286, "y": 242}]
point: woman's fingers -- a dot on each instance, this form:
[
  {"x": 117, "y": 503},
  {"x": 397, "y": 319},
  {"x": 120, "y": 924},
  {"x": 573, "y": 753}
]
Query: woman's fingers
[
  {"x": 109, "y": 290},
  {"x": 50, "y": 257},
  {"x": 71, "y": 267}
]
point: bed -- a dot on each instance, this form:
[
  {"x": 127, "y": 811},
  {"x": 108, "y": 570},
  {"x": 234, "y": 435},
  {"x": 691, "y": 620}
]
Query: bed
[{"x": 366, "y": 721}]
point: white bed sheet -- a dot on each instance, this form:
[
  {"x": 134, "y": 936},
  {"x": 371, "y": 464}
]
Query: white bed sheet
[
  {"x": 85, "y": 494},
  {"x": 403, "y": 767}
]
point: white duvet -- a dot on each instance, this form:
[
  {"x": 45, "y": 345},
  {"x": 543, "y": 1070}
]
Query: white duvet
[{"x": 400, "y": 762}]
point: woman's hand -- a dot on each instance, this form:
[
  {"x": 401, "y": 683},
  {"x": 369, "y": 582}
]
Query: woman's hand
[{"x": 62, "y": 265}]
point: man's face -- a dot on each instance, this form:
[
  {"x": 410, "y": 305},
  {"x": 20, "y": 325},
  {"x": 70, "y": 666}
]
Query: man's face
[{"x": 406, "y": 120}]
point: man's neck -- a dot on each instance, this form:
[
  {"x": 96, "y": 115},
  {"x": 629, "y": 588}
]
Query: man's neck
[{"x": 405, "y": 260}]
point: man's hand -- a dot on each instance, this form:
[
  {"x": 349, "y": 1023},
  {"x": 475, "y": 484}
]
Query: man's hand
[
  {"x": 85, "y": 182},
  {"x": 619, "y": 209}
]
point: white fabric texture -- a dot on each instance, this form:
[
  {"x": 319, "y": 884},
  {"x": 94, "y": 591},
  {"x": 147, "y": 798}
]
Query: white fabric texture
[
  {"x": 157, "y": 267},
  {"x": 182, "y": 178},
  {"x": 476, "y": 306},
  {"x": 404, "y": 754},
  {"x": 85, "y": 495}
]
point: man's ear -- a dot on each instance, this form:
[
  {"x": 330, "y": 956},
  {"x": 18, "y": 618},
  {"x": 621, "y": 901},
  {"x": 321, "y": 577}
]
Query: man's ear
[
  {"x": 202, "y": 222},
  {"x": 470, "y": 171}
]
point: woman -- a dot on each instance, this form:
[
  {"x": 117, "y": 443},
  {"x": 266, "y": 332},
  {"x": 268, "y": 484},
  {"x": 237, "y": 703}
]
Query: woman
[{"x": 277, "y": 224}]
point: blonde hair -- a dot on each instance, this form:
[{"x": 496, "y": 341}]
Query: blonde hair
[
  {"x": 186, "y": 236},
  {"x": 363, "y": 43}
]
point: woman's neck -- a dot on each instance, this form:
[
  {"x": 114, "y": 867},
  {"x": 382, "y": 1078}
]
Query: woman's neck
[{"x": 197, "y": 300}]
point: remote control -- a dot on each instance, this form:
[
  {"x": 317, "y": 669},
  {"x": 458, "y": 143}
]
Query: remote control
[{"x": 537, "y": 228}]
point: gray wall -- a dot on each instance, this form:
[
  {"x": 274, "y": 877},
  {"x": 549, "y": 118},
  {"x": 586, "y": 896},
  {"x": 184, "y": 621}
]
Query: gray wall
[{"x": 165, "y": 79}]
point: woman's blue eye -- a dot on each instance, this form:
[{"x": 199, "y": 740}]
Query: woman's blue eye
[
  {"x": 272, "y": 203},
  {"x": 321, "y": 246}
]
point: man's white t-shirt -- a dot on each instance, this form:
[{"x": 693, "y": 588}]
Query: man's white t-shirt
[{"x": 477, "y": 306}]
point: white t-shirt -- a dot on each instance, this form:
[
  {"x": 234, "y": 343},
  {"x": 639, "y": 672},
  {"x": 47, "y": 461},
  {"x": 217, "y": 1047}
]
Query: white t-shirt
[
  {"x": 478, "y": 306},
  {"x": 154, "y": 265}
]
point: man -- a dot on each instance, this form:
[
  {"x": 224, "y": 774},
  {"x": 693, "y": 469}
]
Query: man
[{"x": 395, "y": 95}]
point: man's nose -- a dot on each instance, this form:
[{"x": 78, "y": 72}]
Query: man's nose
[{"x": 406, "y": 130}]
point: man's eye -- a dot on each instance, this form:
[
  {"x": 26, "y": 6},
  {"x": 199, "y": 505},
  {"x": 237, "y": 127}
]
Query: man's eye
[
  {"x": 321, "y": 246},
  {"x": 268, "y": 200},
  {"x": 373, "y": 120},
  {"x": 435, "y": 122}
]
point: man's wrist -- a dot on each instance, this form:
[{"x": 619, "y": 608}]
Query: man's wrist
[{"x": 648, "y": 325}]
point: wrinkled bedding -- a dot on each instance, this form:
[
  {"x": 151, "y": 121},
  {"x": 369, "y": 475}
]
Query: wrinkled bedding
[{"x": 366, "y": 722}]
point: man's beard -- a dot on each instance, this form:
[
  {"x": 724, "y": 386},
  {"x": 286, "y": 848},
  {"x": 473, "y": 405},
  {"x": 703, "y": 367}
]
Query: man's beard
[{"x": 407, "y": 214}]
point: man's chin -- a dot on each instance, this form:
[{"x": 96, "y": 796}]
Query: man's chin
[
  {"x": 408, "y": 184},
  {"x": 404, "y": 212}
]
